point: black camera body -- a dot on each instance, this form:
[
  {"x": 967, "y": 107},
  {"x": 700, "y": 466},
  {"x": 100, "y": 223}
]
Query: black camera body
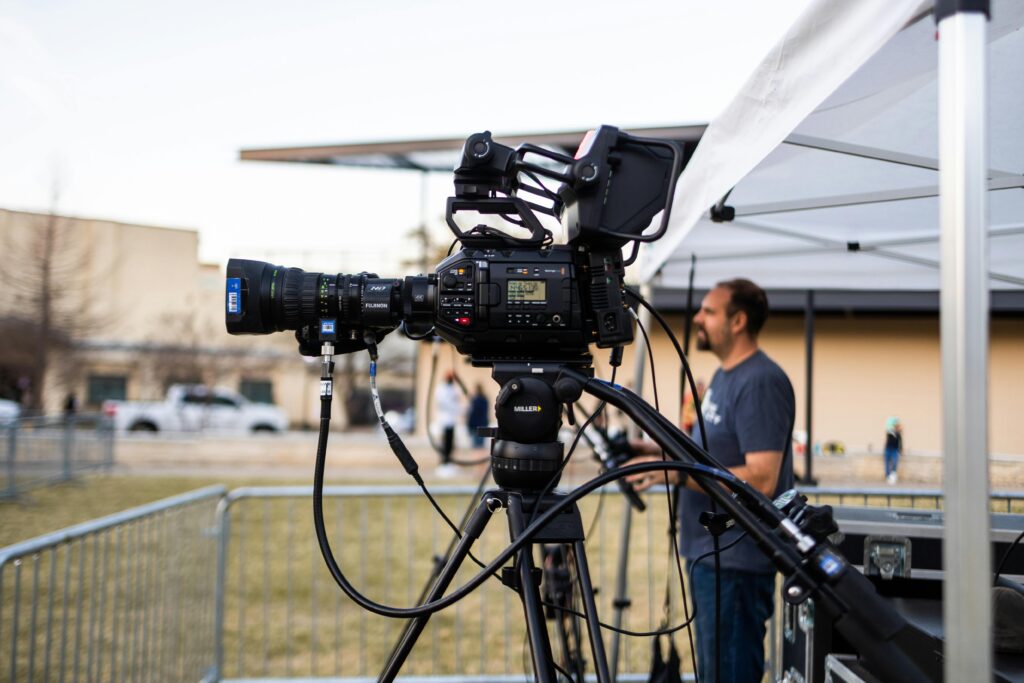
[
  {"x": 502, "y": 298},
  {"x": 497, "y": 304}
]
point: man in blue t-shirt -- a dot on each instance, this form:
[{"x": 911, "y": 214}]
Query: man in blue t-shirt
[{"x": 748, "y": 411}]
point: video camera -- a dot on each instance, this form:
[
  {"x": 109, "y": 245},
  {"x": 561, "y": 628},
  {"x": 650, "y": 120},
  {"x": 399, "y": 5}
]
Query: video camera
[
  {"x": 502, "y": 297},
  {"x": 530, "y": 309}
]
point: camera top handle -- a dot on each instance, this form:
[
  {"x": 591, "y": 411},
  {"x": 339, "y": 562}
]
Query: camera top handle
[{"x": 609, "y": 192}]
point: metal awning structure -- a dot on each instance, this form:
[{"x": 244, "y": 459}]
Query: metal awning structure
[{"x": 442, "y": 154}]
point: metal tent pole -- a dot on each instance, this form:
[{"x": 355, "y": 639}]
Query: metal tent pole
[
  {"x": 639, "y": 347},
  {"x": 963, "y": 163},
  {"x": 808, "y": 477}
]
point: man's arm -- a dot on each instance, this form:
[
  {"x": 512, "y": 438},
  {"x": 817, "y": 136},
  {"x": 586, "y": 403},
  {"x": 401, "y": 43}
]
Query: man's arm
[{"x": 761, "y": 470}]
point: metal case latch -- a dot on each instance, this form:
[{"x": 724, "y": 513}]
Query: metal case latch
[{"x": 887, "y": 556}]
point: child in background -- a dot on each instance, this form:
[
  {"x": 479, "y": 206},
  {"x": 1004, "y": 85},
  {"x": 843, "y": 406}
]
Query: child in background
[{"x": 893, "y": 448}]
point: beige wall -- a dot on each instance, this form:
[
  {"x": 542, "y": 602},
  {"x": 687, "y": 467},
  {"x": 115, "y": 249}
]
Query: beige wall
[
  {"x": 866, "y": 368},
  {"x": 144, "y": 291}
]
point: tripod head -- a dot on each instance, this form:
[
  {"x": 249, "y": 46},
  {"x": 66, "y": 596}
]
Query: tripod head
[{"x": 526, "y": 453}]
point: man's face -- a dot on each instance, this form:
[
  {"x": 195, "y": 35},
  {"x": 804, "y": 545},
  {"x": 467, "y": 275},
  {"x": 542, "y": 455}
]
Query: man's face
[{"x": 713, "y": 323}]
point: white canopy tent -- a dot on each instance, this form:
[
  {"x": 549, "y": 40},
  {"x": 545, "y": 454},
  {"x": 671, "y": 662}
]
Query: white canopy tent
[
  {"x": 849, "y": 199},
  {"x": 830, "y": 157}
]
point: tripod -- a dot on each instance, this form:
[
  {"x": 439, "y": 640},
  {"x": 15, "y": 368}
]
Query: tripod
[
  {"x": 525, "y": 458},
  {"x": 789, "y": 531}
]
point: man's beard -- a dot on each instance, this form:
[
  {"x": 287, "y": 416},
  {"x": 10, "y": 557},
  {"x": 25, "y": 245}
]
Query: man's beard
[{"x": 703, "y": 343}]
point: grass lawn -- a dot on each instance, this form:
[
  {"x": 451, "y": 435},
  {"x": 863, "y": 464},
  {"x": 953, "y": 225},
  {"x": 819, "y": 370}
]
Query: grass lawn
[
  {"x": 48, "y": 509},
  {"x": 283, "y": 614}
]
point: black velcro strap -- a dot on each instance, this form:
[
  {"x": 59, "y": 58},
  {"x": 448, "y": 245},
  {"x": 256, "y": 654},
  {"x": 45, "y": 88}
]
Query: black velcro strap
[{"x": 947, "y": 8}]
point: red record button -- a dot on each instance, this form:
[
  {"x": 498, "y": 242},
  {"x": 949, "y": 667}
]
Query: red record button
[{"x": 465, "y": 322}]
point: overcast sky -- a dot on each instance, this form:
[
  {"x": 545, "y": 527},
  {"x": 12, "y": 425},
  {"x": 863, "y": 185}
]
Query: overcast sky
[{"x": 136, "y": 111}]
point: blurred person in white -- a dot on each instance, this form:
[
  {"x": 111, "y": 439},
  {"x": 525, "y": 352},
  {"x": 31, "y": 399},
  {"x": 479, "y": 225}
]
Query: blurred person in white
[{"x": 448, "y": 411}]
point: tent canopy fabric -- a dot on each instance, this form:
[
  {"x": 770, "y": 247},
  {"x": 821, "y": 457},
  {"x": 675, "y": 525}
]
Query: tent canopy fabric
[{"x": 849, "y": 199}]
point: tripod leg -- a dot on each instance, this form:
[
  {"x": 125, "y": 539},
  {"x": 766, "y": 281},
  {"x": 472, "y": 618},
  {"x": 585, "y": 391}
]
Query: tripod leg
[
  {"x": 622, "y": 601},
  {"x": 590, "y": 610},
  {"x": 540, "y": 645},
  {"x": 412, "y": 632},
  {"x": 440, "y": 562},
  {"x": 558, "y": 590}
]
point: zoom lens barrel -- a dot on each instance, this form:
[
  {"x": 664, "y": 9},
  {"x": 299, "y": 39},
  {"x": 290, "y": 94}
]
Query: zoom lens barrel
[{"x": 263, "y": 298}]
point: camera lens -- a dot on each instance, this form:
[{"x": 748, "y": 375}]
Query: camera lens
[{"x": 263, "y": 298}]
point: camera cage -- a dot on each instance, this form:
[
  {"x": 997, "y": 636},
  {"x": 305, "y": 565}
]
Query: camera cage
[{"x": 609, "y": 193}]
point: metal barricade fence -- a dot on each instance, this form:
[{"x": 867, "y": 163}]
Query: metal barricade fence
[
  {"x": 282, "y": 616},
  {"x": 38, "y": 451},
  {"x": 216, "y": 586},
  {"x": 128, "y": 597},
  {"x": 889, "y": 496}
]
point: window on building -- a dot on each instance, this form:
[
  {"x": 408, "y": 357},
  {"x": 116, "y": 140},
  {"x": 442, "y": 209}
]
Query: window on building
[
  {"x": 106, "y": 388},
  {"x": 225, "y": 401},
  {"x": 257, "y": 390}
]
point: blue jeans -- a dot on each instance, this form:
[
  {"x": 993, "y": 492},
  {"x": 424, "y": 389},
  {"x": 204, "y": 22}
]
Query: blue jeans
[
  {"x": 747, "y": 604},
  {"x": 892, "y": 460}
]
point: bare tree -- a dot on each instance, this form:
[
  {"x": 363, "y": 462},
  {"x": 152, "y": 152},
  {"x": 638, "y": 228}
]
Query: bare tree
[
  {"x": 44, "y": 278},
  {"x": 187, "y": 352}
]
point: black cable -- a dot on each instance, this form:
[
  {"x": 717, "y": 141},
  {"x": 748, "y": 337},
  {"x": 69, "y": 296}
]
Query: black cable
[
  {"x": 672, "y": 530},
  {"x": 682, "y": 359},
  {"x": 547, "y": 192},
  {"x": 758, "y": 507},
  {"x": 659, "y": 632},
  {"x": 717, "y": 552},
  {"x": 1006, "y": 556},
  {"x": 671, "y": 512},
  {"x": 597, "y": 514},
  {"x": 674, "y": 535},
  {"x": 691, "y": 565},
  {"x": 714, "y": 508},
  {"x": 759, "y": 504},
  {"x": 416, "y": 337},
  {"x": 398, "y": 446},
  {"x": 452, "y": 525},
  {"x": 562, "y": 671},
  {"x": 513, "y": 221},
  {"x": 498, "y": 562},
  {"x": 715, "y": 542}
]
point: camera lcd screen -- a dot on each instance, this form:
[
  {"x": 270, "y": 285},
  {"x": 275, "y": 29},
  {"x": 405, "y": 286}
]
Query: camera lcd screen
[{"x": 527, "y": 290}]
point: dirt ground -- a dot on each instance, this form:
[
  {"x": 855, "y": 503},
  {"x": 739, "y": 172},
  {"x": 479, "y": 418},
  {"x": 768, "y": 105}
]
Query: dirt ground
[{"x": 365, "y": 456}]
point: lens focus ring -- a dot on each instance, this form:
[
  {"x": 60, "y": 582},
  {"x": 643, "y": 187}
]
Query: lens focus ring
[
  {"x": 309, "y": 304},
  {"x": 291, "y": 289}
]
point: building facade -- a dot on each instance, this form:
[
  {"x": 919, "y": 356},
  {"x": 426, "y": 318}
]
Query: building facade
[
  {"x": 129, "y": 310},
  {"x": 868, "y": 365}
]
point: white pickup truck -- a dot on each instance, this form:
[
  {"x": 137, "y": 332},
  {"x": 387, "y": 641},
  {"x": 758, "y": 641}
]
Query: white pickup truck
[{"x": 193, "y": 408}]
